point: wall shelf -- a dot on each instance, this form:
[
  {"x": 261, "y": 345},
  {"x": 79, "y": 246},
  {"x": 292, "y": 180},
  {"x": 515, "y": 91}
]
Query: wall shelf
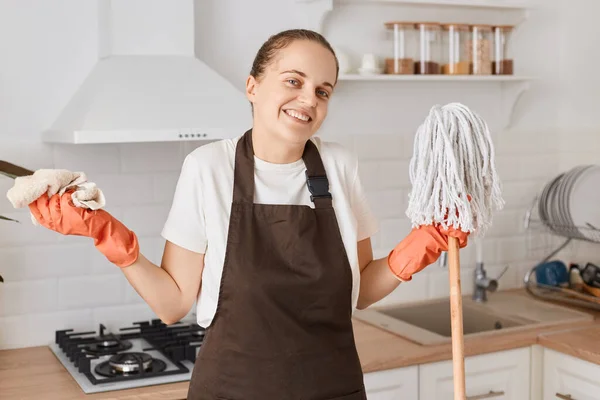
[
  {"x": 434, "y": 78},
  {"x": 502, "y": 4}
]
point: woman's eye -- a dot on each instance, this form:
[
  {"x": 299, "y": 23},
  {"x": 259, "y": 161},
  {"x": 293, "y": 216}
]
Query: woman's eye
[
  {"x": 293, "y": 81},
  {"x": 323, "y": 93}
]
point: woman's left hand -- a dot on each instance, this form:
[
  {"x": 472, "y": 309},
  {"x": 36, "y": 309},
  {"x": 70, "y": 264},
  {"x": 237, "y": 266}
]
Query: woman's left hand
[{"x": 422, "y": 247}]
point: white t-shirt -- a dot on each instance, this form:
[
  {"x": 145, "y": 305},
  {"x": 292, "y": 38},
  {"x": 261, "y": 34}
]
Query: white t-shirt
[{"x": 199, "y": 216}]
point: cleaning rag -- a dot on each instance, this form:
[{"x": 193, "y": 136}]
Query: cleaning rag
[{"x": 55, "y": 181}]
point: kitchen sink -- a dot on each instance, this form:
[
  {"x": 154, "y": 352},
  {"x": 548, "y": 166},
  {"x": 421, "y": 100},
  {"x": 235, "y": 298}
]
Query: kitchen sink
[
  {"x": 429, "y": 322},
  {"x": 435, "y": 317}
]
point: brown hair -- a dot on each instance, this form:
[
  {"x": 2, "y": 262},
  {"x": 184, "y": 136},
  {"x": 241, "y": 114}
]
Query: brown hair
[{"x": 281, "y": 40}]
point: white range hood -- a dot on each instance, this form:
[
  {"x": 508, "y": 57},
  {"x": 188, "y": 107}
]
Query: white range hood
[{"x": 147, "y": 85}]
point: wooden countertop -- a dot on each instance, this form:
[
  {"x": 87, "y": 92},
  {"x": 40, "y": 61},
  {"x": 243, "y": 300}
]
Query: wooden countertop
[
  {"x": 582, "y": 342},
  {"x": 34, "y": 373}
]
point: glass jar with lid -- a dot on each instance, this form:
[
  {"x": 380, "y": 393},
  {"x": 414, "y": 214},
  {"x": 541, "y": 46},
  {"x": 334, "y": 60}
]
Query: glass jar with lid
[
  {"x": 502, "y": 59},
  {"x": 480, "y": 49},
  {"x": 428, "y": 61},
  {"x": 404, "y": 41},
  {"x": 455, "y": 54}
]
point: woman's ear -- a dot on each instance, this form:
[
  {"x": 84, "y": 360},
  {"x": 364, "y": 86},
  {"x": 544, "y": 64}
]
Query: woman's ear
[{"x": 251, "y": 84}]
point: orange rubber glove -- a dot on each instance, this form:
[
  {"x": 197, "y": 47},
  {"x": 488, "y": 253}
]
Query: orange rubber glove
[
  {"x": 58, "y": 213},
  {"x": 422, "y": 247}
]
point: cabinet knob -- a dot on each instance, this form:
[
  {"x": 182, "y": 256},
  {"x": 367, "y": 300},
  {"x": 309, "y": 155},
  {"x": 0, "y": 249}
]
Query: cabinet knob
[
  {"x": 565, "y": 396},
  {"x": 486, "y": 395}
]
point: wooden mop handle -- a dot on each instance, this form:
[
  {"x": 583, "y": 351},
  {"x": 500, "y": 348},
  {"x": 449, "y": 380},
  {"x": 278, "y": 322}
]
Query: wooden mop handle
[{"x": 456, "y": 319}]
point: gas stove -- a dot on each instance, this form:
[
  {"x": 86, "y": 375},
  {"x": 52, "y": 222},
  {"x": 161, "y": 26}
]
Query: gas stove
[{"x": 147, "y": 353}]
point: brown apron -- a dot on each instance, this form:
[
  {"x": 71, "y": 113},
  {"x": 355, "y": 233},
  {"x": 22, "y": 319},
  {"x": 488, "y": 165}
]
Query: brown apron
[{"x": 282, "y": 329}]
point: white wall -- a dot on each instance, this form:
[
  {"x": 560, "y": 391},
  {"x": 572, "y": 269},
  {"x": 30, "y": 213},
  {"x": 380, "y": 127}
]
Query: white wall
[{"x": 55, "y": 282}]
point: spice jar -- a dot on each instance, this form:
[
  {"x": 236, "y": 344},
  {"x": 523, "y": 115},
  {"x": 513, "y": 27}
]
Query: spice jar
[
  {"x": 480, "y": 49},
  {"x": 502, "y": 58},
  {"x": 404, "y": 46},
  {"x": 455, "y": 55},
  {"x": 429, "y": 48}
]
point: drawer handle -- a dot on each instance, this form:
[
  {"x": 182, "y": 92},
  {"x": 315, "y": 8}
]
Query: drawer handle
[
  {"x": 486, "y": 395},
  {"x": 565, "y": 396}
]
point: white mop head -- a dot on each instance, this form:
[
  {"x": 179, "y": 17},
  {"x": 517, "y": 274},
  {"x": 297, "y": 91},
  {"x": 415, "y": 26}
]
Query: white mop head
[{"x": 454, "y": 157}]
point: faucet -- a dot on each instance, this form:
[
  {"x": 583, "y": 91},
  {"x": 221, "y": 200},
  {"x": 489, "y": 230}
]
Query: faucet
[{"x": 483, "y": 284}]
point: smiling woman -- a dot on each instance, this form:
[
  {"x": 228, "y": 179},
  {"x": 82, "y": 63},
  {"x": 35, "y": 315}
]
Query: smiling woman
[{"x": 269, "y": 234}]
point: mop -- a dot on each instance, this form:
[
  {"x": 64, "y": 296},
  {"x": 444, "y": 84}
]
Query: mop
[{"x": 454, "y": 183}]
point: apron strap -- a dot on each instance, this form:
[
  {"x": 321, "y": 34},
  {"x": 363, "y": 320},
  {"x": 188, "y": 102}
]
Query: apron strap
[{"x": 316, "y": 178}]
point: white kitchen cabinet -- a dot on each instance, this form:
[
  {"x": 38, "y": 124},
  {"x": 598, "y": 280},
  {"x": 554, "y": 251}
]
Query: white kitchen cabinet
[
  {"x": 393, "y": 384},
  {"x": 503, "y": 375},
  {"x": 570, "y": 378}
]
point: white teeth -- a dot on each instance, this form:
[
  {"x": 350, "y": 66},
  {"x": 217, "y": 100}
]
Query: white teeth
[{"x": 297, "y": 115}]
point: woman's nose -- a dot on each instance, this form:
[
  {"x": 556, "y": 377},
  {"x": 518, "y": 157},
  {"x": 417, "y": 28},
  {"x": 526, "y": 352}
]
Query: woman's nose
[{"x": 308, "y": 98}]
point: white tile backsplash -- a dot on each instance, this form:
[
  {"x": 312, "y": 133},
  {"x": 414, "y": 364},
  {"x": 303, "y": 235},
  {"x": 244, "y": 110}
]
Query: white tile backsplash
[
  {"x": 377, "y": 147},
  {"x": 24, "y": 233},
  {"x": 439, "y": 284},
  {"x": 33, "y": 329},
  {"x": 146, "y": 220},
  {"x": 507, "y": 222},
  {"x": 28, "y": 263},
  {"x": 164, "y": 185},
  {"x": 126, "y": 189},
  {"x": 88, "y": 158},
  {"x": 35, "y": 296},
  {"x": 122, "y": 316},
  {"x": 384, "y": 174},
  {"x": 90, "y": 291},
  {"x": 388, "y": 203},
  {"x": 166, "y": 157}
]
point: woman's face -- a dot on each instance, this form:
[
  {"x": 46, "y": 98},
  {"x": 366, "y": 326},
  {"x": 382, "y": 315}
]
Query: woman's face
[{"x": 290, "y": 100}]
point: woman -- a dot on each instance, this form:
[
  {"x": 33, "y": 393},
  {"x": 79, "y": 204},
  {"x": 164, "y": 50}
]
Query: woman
[{"x": 275, "y": 226}]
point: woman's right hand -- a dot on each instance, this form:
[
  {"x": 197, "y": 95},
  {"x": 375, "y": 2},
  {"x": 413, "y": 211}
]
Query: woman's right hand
[{"x": 113, "y": 239}]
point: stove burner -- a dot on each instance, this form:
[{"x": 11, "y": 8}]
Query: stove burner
[
  {"x": 126, "y": 364},
  {"x": 106, "y": 345},
  {"x": 107, "y": 342}
]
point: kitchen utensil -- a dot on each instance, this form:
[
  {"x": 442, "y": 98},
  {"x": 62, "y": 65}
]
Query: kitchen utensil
[
  {"x": 552, "y": 273},
  {"x": 583, "y": 296},
  {"x": 591, "y": 275},
  {"x": 594, "y": 291}
]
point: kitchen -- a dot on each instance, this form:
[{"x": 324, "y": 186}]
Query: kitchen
[{"x": 543, "y": 120}]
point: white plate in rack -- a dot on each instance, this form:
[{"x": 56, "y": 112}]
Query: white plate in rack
[{"x": 584, "y": 202}]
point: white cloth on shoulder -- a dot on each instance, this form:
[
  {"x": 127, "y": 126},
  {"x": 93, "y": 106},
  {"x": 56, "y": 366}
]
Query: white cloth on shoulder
[{"x": 27, "y": 189}]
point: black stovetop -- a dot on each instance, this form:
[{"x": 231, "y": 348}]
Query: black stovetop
[{"x": 145, "y": 350}]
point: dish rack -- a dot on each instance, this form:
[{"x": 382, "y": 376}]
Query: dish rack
[{"x": 568, "y": 233}]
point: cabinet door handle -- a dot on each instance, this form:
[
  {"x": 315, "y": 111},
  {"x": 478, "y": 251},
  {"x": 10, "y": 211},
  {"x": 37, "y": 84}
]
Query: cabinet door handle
[
  {"x": 565, "y": 396},
  {"x": 486, "y": 395}
]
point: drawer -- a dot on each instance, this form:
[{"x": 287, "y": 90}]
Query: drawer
[
  {"x": 503, "y": 375},
  {"x": 393, "y": 384},
  {"x": 570, "y": 378}
]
